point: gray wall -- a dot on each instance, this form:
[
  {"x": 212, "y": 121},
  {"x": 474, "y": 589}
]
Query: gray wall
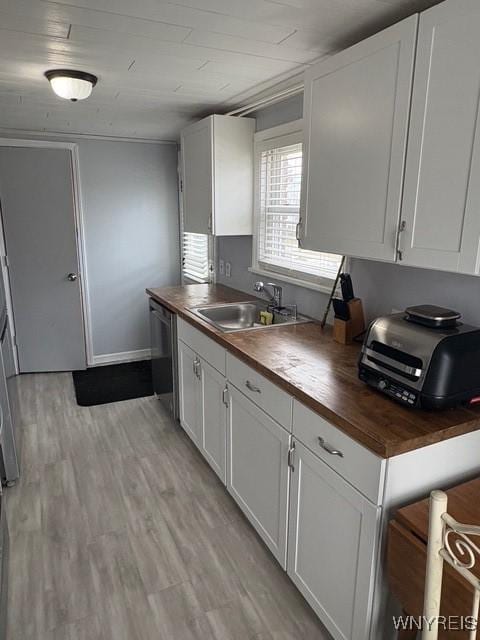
[
  {"x": 238, "y": 251},
  {"x": 130, "y": 204},
  {"x": 382, "y": 286},
  {"x": 385, "y": 287}
]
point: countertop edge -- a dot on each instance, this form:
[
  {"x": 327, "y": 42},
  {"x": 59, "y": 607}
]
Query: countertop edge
[{"x": 383, "y": 450}]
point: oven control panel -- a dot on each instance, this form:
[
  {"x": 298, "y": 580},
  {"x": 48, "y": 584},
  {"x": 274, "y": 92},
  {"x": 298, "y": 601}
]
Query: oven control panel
[{"x": 400, "y": 393}]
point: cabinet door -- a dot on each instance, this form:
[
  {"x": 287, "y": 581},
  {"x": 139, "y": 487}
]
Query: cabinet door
[
  {"x": 213, "y": 419},
  {"x": 356, "y": 113},
  {"x": 442, "y": 185},
  {"x": 331, "y": 546},
  {"x": 233, "y": 171},
  {"x": 197, "y": 176},
  {"x": 257, "y": 470},
  {"x": 189, "y": 391}
]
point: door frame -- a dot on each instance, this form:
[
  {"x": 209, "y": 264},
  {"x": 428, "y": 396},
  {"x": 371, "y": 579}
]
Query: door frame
[{"x": 79, "y": 222}]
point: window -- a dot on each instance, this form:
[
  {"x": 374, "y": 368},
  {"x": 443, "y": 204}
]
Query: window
[
  {"x": 195, "y": 257},
  {"x": 278, "y": 184}
]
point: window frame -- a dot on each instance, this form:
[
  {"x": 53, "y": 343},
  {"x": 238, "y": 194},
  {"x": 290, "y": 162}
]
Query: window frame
[{"x": 279, "y": 136}]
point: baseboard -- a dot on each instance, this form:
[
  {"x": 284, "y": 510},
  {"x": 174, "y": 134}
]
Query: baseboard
[{"x": 122, "y": 356}]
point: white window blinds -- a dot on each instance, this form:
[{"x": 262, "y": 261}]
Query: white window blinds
[
  {"x": 277, "y": 247},
  {"x": 195, "y": 257}
]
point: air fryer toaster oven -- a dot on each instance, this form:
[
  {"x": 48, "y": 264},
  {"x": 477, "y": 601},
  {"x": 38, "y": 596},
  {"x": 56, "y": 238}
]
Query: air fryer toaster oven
[{"x": 421, "y": 366}]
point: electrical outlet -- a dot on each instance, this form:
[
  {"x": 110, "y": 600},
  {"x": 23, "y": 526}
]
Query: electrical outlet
[
  {"x": 228, "y": 269},
  {"x": 221, "y": 267}
]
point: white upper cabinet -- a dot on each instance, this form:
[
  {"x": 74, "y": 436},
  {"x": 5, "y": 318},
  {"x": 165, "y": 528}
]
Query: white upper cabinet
[
  {"x": 217, "y": 176},
  {"x": 441, "y": 208},
  {"x": 197, "y": 176},
  {"x": 356, "y": 114}
]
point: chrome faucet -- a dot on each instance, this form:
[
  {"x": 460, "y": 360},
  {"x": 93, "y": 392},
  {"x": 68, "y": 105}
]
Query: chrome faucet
[{"x": 275, "y": 296}]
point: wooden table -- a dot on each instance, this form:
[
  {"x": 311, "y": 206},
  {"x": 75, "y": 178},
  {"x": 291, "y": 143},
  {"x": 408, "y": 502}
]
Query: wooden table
[{"x": 406, "y": 558}]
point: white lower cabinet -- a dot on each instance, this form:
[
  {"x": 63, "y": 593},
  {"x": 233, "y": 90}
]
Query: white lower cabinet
[
  {"x": 189, "y": 391},
  {"x": 257, "y": 470},
  {"x": 332, "y": 546},
  {"x": 287, "y": 491},
  {"x": 213, "y": 420},
  {"x": 203, "y": 413}
]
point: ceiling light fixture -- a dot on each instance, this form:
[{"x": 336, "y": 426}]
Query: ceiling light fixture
[{"x": 70, "y": 84}]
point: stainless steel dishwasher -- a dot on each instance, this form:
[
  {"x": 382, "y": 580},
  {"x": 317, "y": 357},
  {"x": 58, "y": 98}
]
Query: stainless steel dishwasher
[
  {"x": 163, "y": 328},
  {"x": 4, "y": 561}
]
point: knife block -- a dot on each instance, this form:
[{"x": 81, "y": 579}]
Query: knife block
[{"x": 344, "y": 331}]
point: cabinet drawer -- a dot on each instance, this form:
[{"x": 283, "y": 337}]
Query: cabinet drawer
[
  {"x": 206, "y": 348},
  {"x": 275, "y": 402},
  {"x": 359, "y": 466}
]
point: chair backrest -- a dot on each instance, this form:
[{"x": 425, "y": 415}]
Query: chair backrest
[{"x": 452, "y": 542}]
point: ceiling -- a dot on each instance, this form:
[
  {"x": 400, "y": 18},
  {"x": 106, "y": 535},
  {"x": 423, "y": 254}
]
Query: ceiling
[{"x": 159, "y": 63}]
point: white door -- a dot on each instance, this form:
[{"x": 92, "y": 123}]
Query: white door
[
  {"x": 442, "y": 187},
  {"x": 331, "y": 546},
  {"x": 197, "y": 176},
  {"x": 257, "y": 470},
  {"x": 189, "y": 391},
  {"x": 37, "y": 202},
  {"x": 356, "y": 111},
  {"x": 213, "y": 418}
]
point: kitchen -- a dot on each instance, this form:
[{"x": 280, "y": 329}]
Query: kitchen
[{"x": 205, "y": 178}]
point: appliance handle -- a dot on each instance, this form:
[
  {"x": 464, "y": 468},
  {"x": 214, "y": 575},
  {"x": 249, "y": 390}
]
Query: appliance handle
[
  {"x": 159, "y": 316},
  {"x": 159, "y": 309},
  {"x": 399, "y": 366}
]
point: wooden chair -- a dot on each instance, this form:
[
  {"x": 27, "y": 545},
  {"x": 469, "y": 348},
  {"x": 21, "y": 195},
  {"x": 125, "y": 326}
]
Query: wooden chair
[{"x": 448, "y": 541}]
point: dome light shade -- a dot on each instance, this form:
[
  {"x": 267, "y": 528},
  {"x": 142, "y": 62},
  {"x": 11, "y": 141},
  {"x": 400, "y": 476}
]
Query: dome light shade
[{"x": 70, "y": 84}]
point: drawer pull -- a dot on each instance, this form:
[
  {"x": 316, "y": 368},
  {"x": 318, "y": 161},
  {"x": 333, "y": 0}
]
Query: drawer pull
[
  {"x": 252, "y": 387},
  {"x": 328, "y": 448}
]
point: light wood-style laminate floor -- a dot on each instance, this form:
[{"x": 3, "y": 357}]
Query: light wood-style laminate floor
[{"x": 120, "y": 531}]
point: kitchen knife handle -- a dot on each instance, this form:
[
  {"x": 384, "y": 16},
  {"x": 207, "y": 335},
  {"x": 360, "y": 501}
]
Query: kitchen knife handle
[{"x": 347, "y": 287}]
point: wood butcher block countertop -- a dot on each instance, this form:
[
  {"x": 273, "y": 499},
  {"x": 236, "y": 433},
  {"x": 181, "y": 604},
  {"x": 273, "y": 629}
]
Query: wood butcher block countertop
[{"x": 304, "y": 360}]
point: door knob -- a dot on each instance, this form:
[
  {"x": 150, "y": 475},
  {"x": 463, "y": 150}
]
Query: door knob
[{"x": 72, "y": 277}]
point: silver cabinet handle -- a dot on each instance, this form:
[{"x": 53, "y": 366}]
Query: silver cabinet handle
[
  {"x": 297, "y": 229},
  {"x": 401, "y": 229},
  {"x": 291, "y": 460},
  {"x": 225, "y": 396},
  {"x": 252, "y": 387},
  {"x": 328, "y": 448},
  {"x": 196, "y": 365}
]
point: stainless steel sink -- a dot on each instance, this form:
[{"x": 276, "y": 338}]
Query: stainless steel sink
[{"x": 239, "y": 316}]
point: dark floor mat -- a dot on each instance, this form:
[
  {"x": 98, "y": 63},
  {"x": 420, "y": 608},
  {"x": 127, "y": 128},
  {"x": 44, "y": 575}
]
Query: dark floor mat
[{"x": 112, "y": 383}]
